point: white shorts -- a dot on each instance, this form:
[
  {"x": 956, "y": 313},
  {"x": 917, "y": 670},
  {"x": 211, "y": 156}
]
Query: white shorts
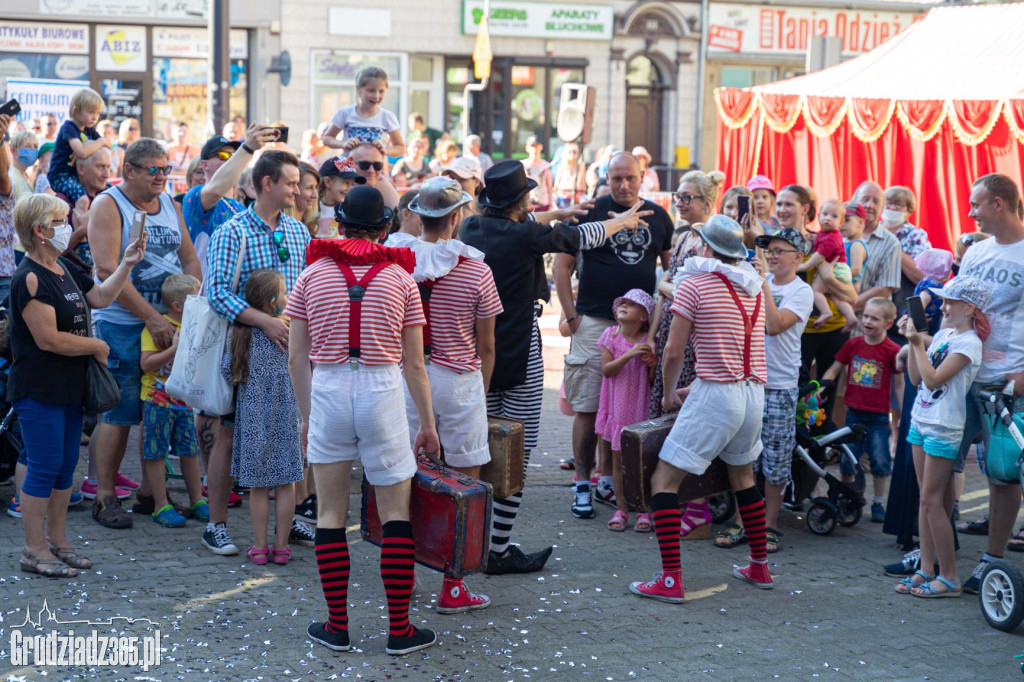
[
  {"x": 460, "y": 415},
  {"x": 357, "y": 414},
  {"x": 717, "y": 420}
]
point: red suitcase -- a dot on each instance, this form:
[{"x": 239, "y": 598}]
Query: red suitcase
[{"x": 451, "y": 519}]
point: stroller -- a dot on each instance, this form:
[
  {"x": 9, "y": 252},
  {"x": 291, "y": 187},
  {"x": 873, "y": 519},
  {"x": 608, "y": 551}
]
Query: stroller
[
  {"x": 843, "y": 504},
  {"x": 1002, "y": 584},
  {"x": 10, "y": 432}
]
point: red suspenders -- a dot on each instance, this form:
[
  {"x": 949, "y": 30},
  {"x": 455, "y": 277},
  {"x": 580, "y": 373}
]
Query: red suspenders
[
  {"x": 426, "y": 288},
  {"x": 748, "y": 324},
  {"x": 356, "y": 291}
]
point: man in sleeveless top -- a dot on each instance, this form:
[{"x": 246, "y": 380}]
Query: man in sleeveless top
[
  {"x": 461, "y": 303},
  {"x": 168, "y": 252}
]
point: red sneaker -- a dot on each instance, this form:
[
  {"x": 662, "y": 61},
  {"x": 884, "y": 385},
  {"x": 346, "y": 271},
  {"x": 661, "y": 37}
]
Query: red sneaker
[
  {"x": 234, "y": 499},
  {"x": 756, "y": 574},
  {"x": 667, "y": 587},
  {"x": 455, "y": 598},
  {"x": 125, "y": 482}
]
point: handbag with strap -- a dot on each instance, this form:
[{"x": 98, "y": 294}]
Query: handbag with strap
[
  {"x": 101, "y": 390},
  {"x": 196, "y": 377}
]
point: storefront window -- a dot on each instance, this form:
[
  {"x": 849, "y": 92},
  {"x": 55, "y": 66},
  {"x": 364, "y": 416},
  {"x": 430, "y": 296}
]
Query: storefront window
[
  {"x": 521, "y": 100},
  {"x": 334, "y": 82},
  {"x": 180, "y": 91}
]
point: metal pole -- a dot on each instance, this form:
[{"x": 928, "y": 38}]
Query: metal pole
[
  {"x": 473, "y": 87},
  {"x": 218, "y": 92},
  {"x": 702, "y": 58}
]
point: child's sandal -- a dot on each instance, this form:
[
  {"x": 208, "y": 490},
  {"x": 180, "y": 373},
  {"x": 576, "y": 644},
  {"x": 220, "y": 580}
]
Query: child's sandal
[
  {"x": 619, "y": 521},
  {"x": 258, "y": 555},
  {"x": 643, "y": 523},
  {"x": 281, "y": 556}
]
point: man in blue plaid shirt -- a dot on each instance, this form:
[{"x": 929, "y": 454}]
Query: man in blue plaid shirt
[{"x": 272, "y": 240}]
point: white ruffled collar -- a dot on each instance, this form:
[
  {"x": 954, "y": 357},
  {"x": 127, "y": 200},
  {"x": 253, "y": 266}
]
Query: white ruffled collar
[
  {"x": 434, "y": 259},
  {"x": 743, "y": 273}
]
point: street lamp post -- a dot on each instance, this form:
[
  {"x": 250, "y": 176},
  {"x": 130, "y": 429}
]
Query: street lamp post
[{"x": 481, "y": 66}]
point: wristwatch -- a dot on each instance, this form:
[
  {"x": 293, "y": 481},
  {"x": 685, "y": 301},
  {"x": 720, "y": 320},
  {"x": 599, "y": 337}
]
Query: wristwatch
[{"x": 569, "y": 320}]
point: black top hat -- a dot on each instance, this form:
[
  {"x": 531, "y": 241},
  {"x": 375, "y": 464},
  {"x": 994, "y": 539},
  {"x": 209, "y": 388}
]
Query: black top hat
[
  {"x": 364, "y": 207},
  {"x": 505, "y": 183}
]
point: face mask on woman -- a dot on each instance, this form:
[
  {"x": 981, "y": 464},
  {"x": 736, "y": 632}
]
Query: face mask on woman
[
  {"x": 27, "y": 156},
  {"x": 61, "y": 237},
  {"x": 893, "y": 218}
]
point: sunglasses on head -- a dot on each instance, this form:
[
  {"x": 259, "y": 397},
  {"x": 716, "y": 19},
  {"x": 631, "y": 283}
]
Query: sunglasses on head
[
  {"x": 367, "y": 165},
  {"x": 153, "y": 170},
  {"x": 282, "y": 250},
  {"x": 970, "y": 238}
]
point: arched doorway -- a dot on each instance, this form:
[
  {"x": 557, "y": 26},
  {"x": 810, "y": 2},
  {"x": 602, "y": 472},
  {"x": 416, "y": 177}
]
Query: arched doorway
[{"x": 645, "y": 86}]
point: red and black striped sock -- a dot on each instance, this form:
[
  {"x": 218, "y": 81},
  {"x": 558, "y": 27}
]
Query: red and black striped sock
[
  {"x": 397, "y": 560},
  {"x": 667, "y": 524},
  {"x": 751, "y": 507},
  {"x": 332, "y": 561}
]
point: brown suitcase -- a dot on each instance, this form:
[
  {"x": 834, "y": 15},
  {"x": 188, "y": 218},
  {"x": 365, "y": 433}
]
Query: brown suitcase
[
  {"x": 505, "y": 470},
  {"x": 641, "y": 444}
]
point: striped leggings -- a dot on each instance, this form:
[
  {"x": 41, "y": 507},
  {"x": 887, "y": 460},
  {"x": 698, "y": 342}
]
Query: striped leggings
[{"x": 522, "y": 402}]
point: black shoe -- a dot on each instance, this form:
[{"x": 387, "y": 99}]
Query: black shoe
[
  {"x": 301, "y": 534},
  {"x": 419, "y": 639},
  {"x": 515, "y": 561},
  {"x": 973, "y": 584},
  {"x": 306, "y": 510},
  {"x": 793, "y": 506},
  {"x": 974, "y": 527},
  {"x": 336, "y": 641}
]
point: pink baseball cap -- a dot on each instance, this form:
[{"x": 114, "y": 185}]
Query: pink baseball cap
[{"x": 761, "y": 182}]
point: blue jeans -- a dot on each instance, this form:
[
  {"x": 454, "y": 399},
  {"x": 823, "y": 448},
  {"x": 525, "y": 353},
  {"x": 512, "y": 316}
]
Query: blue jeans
[
  {"x": 52, "y": 435},
  {"x": 876, "y": 439},
  {"x": 125, "y": 341}
]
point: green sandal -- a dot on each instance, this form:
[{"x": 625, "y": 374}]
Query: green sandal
[
  {"x": 168, "y": 517},
  {"x": 772, "y": 538},
  {"x": 732, "y": 536}
]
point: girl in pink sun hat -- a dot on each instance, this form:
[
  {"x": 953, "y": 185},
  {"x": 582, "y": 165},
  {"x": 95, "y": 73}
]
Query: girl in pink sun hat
[
  {"x": 764, "y": 202},
  {"x": 627, "y": 361}
]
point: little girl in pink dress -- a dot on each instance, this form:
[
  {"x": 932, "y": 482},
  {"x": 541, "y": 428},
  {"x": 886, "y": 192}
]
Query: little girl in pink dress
[{"x": 627, "y": 361}]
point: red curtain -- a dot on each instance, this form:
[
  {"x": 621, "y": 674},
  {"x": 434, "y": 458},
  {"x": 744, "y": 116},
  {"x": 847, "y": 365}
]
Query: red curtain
[{"x": 939, "y": 171}]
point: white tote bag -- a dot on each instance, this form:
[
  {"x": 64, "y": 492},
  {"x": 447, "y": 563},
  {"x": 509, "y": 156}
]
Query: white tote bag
[{"x": 195, "y": 377}]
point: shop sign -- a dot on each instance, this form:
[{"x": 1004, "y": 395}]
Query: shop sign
[
  {"x": 194, "y": 43},
  {"x": 337, "y": 66},
  {"x": 121, "y": 48},
  {"x": 752, "y": 29},
  {"x": 39, "y": 96},
  {"x": 20, "y": 36},
  {"x": 540, "y": 20},
  {"x": 137, "y": 9}
]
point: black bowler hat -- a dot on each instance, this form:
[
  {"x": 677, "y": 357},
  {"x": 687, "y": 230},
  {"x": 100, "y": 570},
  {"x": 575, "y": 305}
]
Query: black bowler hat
[
  {"x": 364, "y": 207},
  {"x": 505, "y": 183}
]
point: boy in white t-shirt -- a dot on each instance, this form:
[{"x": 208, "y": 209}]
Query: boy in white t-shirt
[
  {"x": 788, "y": 303},
  {"x": 366, "y": 122}
]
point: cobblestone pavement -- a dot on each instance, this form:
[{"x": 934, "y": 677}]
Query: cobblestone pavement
[{"x": 831, "y": 616}]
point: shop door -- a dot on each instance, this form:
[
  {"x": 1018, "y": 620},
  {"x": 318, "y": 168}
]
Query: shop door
[
  {"x": 643, "y": 122},
  {"x": 644, "y": 88}
]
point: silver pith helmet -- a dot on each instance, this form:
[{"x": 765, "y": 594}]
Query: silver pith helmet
[
  {"x": 438, "y": 197},
  {"x": 725, "y": 236}
]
